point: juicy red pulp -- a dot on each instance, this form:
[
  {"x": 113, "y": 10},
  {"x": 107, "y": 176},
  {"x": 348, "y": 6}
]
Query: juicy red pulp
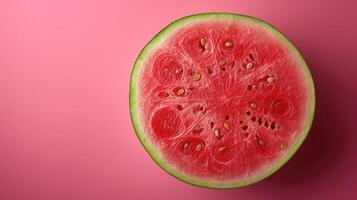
[{"x": 222, "y": 100}]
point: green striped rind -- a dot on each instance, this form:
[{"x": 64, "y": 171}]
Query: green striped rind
[{"x": 155, "y": 154}]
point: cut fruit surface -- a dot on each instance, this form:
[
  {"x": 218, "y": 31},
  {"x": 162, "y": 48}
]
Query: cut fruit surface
[{"x": 221, "y": 100}]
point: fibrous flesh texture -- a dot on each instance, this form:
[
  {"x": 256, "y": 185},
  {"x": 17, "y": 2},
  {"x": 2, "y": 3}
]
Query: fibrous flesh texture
[{"x": 221, "y": 101}]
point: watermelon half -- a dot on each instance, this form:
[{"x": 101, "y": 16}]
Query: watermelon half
[{"x": 221, "y": 100}]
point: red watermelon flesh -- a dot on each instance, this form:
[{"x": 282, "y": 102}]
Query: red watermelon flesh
[{"x": 222, "y": 101}]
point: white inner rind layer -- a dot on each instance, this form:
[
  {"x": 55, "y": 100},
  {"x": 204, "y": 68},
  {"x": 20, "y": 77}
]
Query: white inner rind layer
[{"x": 144, "y": 137}]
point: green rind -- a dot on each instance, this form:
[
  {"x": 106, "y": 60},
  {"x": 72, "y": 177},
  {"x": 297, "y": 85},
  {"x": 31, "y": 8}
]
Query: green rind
[{"x": 155, "y": 155}]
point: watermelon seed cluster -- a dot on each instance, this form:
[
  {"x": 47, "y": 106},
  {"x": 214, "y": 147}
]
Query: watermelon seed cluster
[
  {"x": 217, "y": 74},
  {"x": 218, "y": 132},
  {"x": 273, "y": 125}
]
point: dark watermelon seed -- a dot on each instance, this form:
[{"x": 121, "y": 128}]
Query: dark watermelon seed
[
  {"x": 253, "y": 118},
  {"x": 251, "y": 56},
  {"x": 251, "y": 87},
  {"x": 248, "y": 113},
  {"x": 212, "y": 124},
  {"x": 260, "y": 121},
  {"x": 273, "y": 126},
  {"x": 198, "y": 108},
  {"x": 210, "y": 71},
  {"x": 244, "y": 128},
  {"x": 226, "y": 117},
  {"x": 179, "y": 107},
  {"x": 266, "y": 124}
]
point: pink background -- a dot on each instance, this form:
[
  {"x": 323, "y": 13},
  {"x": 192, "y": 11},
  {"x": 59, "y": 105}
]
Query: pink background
[{"x": 65, "y": 131}]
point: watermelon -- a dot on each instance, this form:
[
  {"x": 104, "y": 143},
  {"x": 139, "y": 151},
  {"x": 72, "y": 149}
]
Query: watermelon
[{"x": 221, "y": 100}]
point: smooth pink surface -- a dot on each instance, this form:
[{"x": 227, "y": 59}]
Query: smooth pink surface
[{"x": 65, "y": 130}]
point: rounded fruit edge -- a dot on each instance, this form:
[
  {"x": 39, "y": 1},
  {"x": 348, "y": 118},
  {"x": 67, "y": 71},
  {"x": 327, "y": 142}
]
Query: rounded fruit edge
[{"x": 149, "y": 147}]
